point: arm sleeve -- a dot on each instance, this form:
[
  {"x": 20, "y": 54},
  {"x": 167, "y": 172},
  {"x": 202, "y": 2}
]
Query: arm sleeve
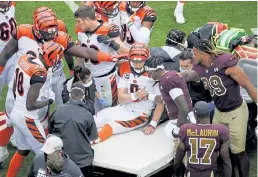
[{"x": 38, "y": 77}]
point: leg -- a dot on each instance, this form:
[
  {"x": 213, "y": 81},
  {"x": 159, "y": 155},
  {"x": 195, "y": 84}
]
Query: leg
[
  {"x": 237, "y": 131},
  {"x": 6, "y": 130},
  {"x": 58, "y": 87},
  {"x": 107, "y": 89},
  {"x": 16, "y": 162},
  {"x": 123, "y": 121},
  {"x": 178, "y": 13}
]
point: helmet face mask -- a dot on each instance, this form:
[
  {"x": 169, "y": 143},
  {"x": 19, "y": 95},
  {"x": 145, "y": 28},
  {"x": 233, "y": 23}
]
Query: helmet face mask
[
  {"x": 135, "y": 9},
  {"x": 48, "y": 34},
  {"x": 45, "y": 26},
  {"x": 5, "y": 6}
]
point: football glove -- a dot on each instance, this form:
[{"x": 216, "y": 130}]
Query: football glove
[
  {"x": 171, "y": 129},
  {"x": 108, "y": 41}
]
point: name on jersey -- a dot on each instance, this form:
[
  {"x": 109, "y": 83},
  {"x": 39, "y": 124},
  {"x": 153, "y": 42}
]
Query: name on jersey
[{"x": 206, "y": 132}]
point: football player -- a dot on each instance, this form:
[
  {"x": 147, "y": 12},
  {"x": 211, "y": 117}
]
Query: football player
[
  {"x": 108, "y": 11},
  {"x": 175, "y": 95},
  {"x": 203, "y": 143},
  {"x": 7, "y": 27},
  {"x": 58, "y": 75},
  {"x": 27, "y": 40},
  {"x": 32, "y": 100},
  {"x": 174, "y": 45},
  {"x": 99, "y": 36},
  {"x": 220, "y": 75},
  {"x": 135, "y": 106},
  {"x": 137, "y": 23}
]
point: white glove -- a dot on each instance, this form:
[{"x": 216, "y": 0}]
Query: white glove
[
  {"x": 191, "y": 118},
  {"x": 171, "y": 129}
]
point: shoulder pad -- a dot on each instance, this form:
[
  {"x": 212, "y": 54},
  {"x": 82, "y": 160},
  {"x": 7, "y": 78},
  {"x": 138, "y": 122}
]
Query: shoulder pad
[{"x": 124, "y": 68}]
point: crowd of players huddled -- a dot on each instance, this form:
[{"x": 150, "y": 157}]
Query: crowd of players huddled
[{"x": 118, "y": 84}]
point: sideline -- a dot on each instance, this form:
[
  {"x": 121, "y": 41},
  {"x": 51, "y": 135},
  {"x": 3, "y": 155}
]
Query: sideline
[{"x": 72, "y": 5}]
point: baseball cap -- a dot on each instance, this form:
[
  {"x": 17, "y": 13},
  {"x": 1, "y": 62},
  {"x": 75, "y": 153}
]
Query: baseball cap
[
  {"x": 52, "y": 144},
  {"x": 201, "y": 109}
]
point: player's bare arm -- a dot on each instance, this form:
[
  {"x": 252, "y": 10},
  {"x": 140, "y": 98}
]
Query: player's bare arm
[
  {"x": 79, "y": 62},
  {"x": 33, "y": 94},
  {"x": 123, "y": 49},
  {"x": 190, "y": 75},
  {"x": 125, "y": 97},
  {"x": 180, "y": 154},
  {"x": 148, "y": 130},
  {"x": 69, "y": 61},
  {"x": 224, "y": 153},
  {"x": 182, "y": 107},
  {"x": 158, "y": 99},
  {"x": 10, "y": 49},
  {"x": 83, "y": 52},
  {"x": 240, "y": 77}
]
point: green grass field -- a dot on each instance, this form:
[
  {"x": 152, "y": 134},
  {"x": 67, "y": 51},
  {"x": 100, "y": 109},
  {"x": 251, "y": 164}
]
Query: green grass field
[{"x": 235, "y": 14}]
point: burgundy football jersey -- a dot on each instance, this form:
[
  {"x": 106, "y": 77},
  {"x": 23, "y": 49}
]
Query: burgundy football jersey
[
  {"x": 169, "y": 81},
  {"x": 202, "y": 143},
  {"x": 224, "y": 90}
]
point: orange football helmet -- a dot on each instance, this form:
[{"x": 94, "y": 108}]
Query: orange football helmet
[
  {"x": 52, "y": 53},
  {"x": 45, "y": 26},
  {"x": 139, "y": 52},
  {"x": 109, "y": 9},
  {"x": 43, "y": 9}
]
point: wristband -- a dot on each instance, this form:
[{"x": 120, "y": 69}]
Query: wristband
[
  {"x": 151, "y": 97},
  {"x": 134, "y": 97},
  {"x": 1, "y": 69},
  {"x": 153, "y": 124},
  {"x": 130, "y": 23},
  {"x": 114, "y": 45}
]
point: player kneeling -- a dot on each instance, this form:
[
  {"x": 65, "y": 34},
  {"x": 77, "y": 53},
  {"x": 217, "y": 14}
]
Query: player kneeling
[
  {"x": 32, "y": 99},
  {"x": 203, "y": 143},
  {"x": 135, "y": 107}
]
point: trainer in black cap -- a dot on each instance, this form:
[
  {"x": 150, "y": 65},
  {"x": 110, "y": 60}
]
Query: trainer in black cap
[{"x": 201, "y": 110}]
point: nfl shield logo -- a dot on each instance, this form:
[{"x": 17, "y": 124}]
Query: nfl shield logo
[{"x": 161, "y": 88}]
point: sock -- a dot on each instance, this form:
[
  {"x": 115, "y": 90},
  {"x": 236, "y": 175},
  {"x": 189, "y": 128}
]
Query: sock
[
  {"x": 179, "y": 7},
  {"x": 15, "y": 165},
  {"x": 105, "y": 132},
  {"x": 5, "y": 136}
]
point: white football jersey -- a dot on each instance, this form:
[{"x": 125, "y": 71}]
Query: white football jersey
[
  {"x": 27, "y": 72},
  {"x": 133, "y": 82},
  {"x": 7, "y": 26},
  {"x": 145, "y": 13},
  {"x": 89, "y": 39}
]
